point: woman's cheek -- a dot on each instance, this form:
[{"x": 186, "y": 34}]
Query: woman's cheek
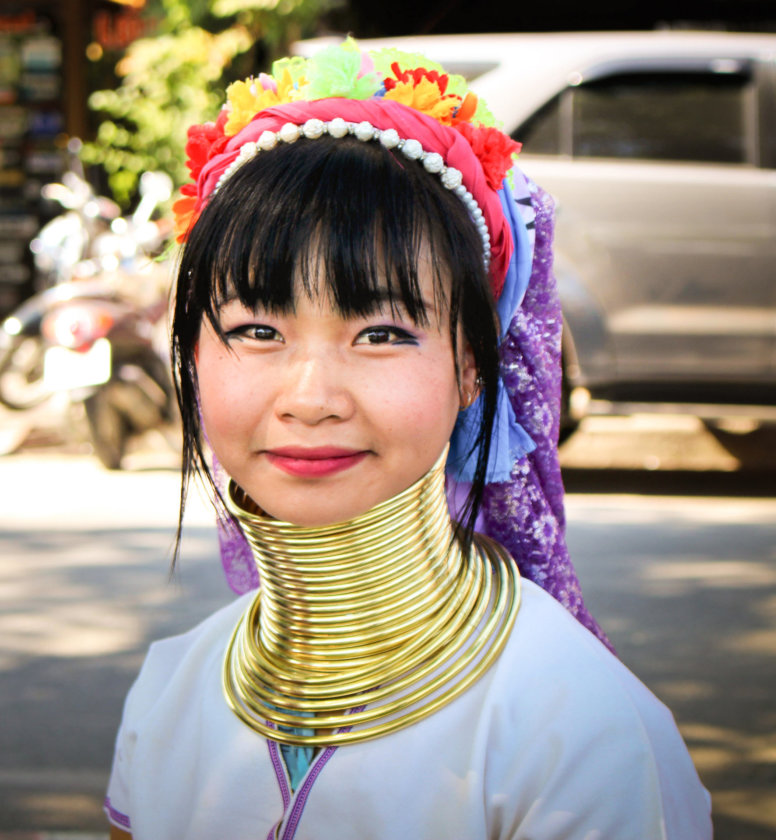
[{"x": 224, "y": 398}]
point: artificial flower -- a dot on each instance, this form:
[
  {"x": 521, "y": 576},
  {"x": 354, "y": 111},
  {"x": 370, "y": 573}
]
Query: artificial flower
[
  {"x": 494, "y": 150},
  {"x": 345, "y": 71},
  {"x": 423, "y": 90},
  {"x": 203, "y": 142},
  {"x": 341, "y": 70},
  {"x": 248, "y": 98},
  {"x": 185, "y": 211},
  {"x": 467, "y": 109}
]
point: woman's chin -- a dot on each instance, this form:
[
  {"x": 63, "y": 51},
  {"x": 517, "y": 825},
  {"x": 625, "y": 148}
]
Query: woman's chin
[{"x": 305, "y": 517}]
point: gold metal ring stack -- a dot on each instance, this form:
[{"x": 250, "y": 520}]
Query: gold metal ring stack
[{"x": 382, "y": 612}]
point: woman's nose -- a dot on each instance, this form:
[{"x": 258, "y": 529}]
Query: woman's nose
[{"x": 314, "y": 390}]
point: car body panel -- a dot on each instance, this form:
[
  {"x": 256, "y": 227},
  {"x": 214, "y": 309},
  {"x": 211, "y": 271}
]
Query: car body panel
[{"x": 686, "y": 275}]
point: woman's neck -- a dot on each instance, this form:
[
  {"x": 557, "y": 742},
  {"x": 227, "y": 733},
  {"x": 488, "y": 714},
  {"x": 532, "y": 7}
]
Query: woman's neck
[
  {"x": 359, "y": 611},
  {"x": 354, "y": 589}
]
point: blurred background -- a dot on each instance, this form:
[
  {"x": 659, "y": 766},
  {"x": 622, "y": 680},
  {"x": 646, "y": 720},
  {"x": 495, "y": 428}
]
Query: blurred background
[{"x": 653, "y": 126}]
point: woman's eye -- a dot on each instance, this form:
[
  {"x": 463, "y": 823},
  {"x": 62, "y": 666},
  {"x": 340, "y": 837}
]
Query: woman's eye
[
  {"x": 256, "y": 332},
  {"x": 385, "y": 335}
]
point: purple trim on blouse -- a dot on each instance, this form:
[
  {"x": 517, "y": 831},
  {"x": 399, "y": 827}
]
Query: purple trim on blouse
[
  {"x": 121, "y": 820},
  {"x": 280, "y": 775},
  {"x": 304, "y": 791},
  {"x": 277, "y": 763}
]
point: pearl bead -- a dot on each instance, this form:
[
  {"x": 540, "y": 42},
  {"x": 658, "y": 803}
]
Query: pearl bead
[
  {"x": 364, "y": 131},
  {"x": 338, "y": 127},
  {"x": 452, "y": 179},
  {"x": 267, "y": 140},
  {"x": 412, "y": 149},
  {"x": 289, "y": 133},
  {"x": 390, "y": 138},
  {"x": 433, "y": 163},
  {"x": 313, "y": 129}
]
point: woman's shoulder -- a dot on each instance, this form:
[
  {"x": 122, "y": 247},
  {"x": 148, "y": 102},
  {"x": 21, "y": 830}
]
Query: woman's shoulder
[
  {"x": 558, "y": 652},
  {"x": 557, "y": 684},
  {"x": 571, "y": 682},
  {"x": 184, "y": 658},
  {"x": 212, "y": 627},
  {"x": 558, "y": 668}
]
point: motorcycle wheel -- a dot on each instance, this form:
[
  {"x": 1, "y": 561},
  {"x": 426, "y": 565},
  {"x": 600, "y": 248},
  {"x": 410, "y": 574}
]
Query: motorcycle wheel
[
  {"x": 108, "y": 429},
  {"x": 21, "y": 373}
]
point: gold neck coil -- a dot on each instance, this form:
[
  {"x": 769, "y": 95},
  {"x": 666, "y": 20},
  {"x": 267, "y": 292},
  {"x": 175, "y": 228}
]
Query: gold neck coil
[{"x": 366, "y": 626}]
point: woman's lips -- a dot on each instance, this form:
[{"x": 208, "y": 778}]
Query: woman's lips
[{"x": 314, "y": 463}]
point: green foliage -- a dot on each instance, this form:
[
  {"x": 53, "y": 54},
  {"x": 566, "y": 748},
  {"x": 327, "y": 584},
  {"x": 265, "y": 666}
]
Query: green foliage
[{"x": 177, "y": 78}]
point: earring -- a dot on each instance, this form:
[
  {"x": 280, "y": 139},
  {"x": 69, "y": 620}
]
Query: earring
[{"x": 468, "y": 397}]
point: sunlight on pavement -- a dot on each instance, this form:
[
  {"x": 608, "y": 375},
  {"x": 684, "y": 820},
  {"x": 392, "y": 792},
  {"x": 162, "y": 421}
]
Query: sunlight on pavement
[
  {"x": 712, "y": 572},
  {"x": 75, "y": 492},
  {"x": 723, "y": 753}
]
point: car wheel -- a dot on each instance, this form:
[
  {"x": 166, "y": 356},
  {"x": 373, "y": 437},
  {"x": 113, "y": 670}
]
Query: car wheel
[{"x": 568, "y": 424}]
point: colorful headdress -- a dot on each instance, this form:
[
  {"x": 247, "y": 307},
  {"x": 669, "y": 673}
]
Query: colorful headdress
[
  {"x": 409, "y": 104},
  {"x": 404, "y": 101}
]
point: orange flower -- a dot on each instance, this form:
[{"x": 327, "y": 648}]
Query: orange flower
[
  {"x": 467, "y": 109},
  {"x": 185, "y": 211}
]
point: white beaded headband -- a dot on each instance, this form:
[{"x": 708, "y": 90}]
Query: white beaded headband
[{"x": 312, "y": 129}]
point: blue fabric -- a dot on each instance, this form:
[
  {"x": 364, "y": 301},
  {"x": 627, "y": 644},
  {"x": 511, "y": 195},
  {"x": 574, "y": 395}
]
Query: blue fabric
[
  {"x": 519, "y": 269},
  {"x": 297, "y": 759},
  {"x": 509, "y": 441}
]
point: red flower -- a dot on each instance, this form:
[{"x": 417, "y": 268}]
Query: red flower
[
  {"x": 440, "y": 79},
  {"x": 494, "y": 150},
  {"x": 204, "y": 142}
]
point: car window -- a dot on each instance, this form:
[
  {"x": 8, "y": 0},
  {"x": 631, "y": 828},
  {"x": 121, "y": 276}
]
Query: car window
[
  {"x": 541, "y": 133},
  {"x": 697, "y": 116}
]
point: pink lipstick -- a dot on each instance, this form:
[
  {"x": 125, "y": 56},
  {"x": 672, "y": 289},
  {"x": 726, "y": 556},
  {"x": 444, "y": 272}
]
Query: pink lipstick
[{"x": 314, "y": 462}]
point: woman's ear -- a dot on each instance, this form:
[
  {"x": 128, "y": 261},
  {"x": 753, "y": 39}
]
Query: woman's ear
[{"x": 469, "y": 377}]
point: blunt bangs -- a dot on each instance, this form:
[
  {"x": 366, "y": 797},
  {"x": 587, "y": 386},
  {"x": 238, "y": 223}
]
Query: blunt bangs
[{"x": 338, "y": 213}]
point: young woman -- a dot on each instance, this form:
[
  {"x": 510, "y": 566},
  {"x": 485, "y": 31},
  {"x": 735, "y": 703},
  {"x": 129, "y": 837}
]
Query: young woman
[{"x": 366, "y": 337}]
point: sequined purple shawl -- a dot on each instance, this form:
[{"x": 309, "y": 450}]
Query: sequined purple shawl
[{"x": 525, "y": 515}]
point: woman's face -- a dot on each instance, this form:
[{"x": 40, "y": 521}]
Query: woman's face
[{"x": 320, "y": 417}]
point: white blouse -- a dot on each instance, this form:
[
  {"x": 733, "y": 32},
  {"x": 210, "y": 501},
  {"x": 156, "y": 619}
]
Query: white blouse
[{"x": 557, "y": 741}]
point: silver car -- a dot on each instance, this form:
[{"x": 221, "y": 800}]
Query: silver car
[{"x": 660, "y": 150}]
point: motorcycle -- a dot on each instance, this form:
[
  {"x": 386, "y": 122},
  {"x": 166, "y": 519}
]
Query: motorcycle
[
  {"x": 95, "y": 338},
  {"x": 65, "y": 241},
  {"x": 102, "y": 350}
]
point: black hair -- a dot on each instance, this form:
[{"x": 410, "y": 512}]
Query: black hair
[{"x": 360, "y": 216}]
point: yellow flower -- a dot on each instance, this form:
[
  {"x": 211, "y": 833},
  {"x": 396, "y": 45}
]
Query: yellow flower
[
  {"x": 425, "y": 96},
  {"x": 247, "y": 98}
]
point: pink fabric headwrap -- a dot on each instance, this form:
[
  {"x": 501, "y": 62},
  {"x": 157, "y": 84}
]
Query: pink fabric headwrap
[{"x": 383, "y": 114}]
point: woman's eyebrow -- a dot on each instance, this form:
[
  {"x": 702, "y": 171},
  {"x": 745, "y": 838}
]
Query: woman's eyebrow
[
  {"x": 383, "y": 299},
  {"x": 221, "y": 302}
]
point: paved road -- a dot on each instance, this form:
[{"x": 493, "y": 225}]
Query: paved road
[{"x": 685, "y": 584}]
